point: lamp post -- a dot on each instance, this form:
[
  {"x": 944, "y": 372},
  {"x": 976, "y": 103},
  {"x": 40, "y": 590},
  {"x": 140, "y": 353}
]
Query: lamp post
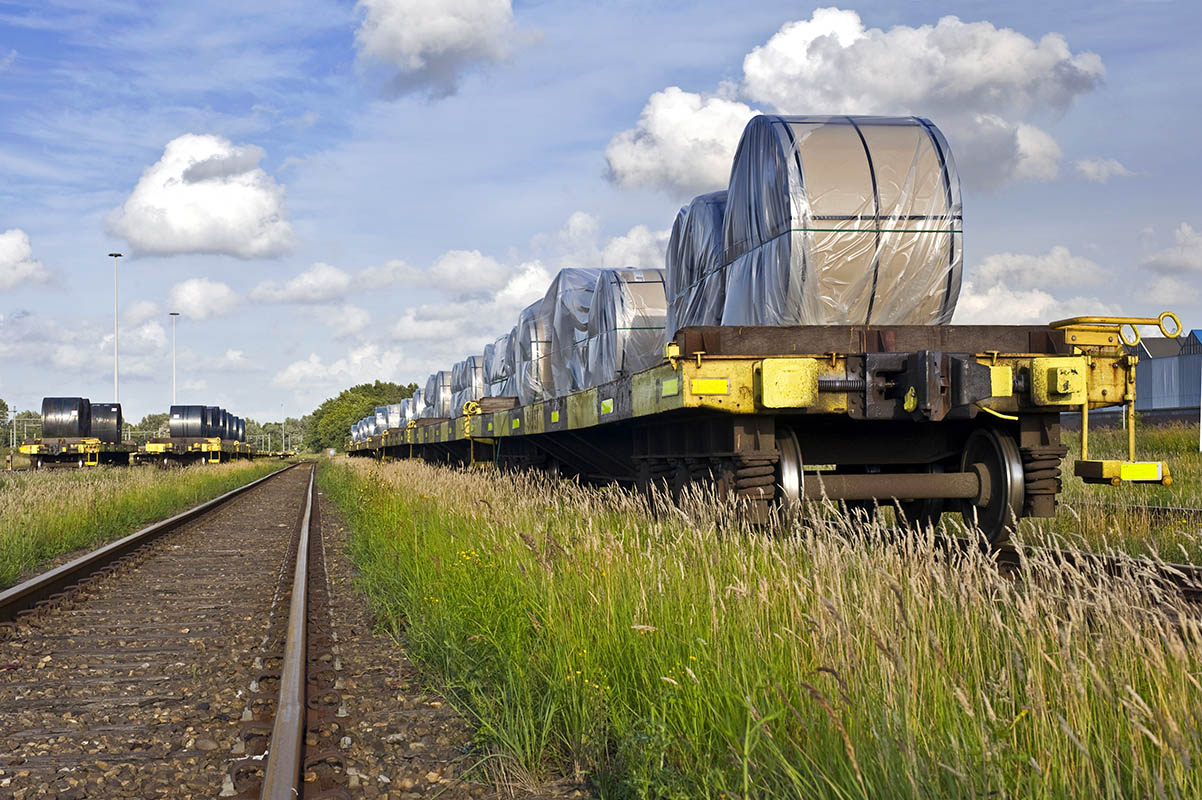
[
  {"x": 116, "y": 395},
  {"x": 174, "y": 315}
]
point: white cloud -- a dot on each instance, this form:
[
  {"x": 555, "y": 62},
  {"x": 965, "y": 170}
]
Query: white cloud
[
  {"x": 363, "y": 363},
  {"x": 1000, "y": 305},
  {"x": 1100, "y": 170},
  {"x": 17, "y": 264},
  {"x": 140, "y": 311},
  {"x": 432, "y": 43},
  {"x": 981, "y": 84},
  {"x": 638, "y": 247},
  {"x": 205, "y": 195},
  {"x": 7, "y": 60},
  {"x": 344, "y": 320},
  {"x": 1169, "y": 291},
  {"x": 201, "y": 298},
  {"x": 320, "y": 283},
  {"x": 683, "y": 142},
  {"x": 578, "y": 244},
  {"x": 1012, "y": 289},
  {"x": 1058, "y": 268},
  {"x": 1186, "y": 256}
]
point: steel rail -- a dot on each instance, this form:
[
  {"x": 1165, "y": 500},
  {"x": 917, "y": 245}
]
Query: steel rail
[
  {"x": 1186, "y": 579},
  {"x": 26, "y": 595},
  {"x": 282, "y": 776}
]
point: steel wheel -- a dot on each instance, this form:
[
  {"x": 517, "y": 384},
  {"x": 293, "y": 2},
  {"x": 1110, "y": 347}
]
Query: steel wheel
[
  {"x": 789, "y": 474},
  {"x": 995, "y": 458}
]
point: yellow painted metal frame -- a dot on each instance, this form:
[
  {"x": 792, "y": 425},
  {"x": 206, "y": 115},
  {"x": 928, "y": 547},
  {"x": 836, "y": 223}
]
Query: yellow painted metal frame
[
  {"x": 1099, "y": 372},
  {"x": 1100, "y": 340}
]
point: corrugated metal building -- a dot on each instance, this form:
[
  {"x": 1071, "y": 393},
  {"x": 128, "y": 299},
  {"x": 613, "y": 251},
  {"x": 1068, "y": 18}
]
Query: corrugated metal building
[{"x": 1168, "y": 378}]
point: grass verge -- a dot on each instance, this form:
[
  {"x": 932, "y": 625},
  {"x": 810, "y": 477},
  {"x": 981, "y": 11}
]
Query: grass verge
[
  {"x": 46, "y": 513},
  {"x": 678, "y": 655}
]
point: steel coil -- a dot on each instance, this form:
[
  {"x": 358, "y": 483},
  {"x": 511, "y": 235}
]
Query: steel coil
[
  {"x": 213, "y": 423},
  {"x": 187, "y": 421},
  {"x": 66, "y": 417},
  {"x": 107, "y": 422}
]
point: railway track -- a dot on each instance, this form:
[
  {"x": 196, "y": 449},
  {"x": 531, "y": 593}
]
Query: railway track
[{"x": 187, "y": 660}]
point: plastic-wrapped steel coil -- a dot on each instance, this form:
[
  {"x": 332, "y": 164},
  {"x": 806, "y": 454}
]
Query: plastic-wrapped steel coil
[
  {"x": 107, "y": 422},
  {"x": 66, "y": 417}
]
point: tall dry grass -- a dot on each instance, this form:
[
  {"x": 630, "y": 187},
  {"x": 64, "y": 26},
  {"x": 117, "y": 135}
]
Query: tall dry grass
[
  {"x": 46, "y": 513},
  {"x": 673, "y": 653}
]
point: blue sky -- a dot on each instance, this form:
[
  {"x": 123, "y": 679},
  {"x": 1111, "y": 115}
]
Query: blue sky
[{"x": 439, "y": 159}]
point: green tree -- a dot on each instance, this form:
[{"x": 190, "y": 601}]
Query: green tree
[{"x": 330, "y": 423}]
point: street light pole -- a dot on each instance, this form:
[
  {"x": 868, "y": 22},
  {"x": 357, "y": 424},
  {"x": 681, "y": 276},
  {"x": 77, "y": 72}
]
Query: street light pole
[
  {"x": 116, "y": 395},
  {"x": 174, "y": 315}
]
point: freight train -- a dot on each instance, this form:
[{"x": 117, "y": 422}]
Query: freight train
[
  {"x": 797, "y": 346},
  {"x": 79, "y": 433},
  {"x": 199, "y": 434}
]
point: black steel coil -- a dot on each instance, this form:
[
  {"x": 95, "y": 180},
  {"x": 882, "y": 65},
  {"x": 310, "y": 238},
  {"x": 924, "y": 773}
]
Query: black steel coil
[
  {"x": 213, "y": 422},
  {"x": 107, "y": 422},
  {"x": 241, "y": 429},
  {"x": 66, "y": 417},
  {"x": 187, "y": 421}
]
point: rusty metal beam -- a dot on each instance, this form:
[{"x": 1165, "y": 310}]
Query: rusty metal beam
[{"x": 900, "y": 486}]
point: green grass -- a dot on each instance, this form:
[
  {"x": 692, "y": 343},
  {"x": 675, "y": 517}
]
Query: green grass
[
  {"x": 47, "y": 513},
  {"x": 679, "y": 655},
  {"x": 1099, "y": 517}
]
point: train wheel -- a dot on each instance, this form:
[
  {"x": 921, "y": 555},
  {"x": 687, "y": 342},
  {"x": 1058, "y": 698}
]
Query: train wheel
[
  {"x": 995, "y": 458},
  {"x": 80, "y": 462},
  {"x": 38, "y": 464},
  {"x": 788, "y": 471}
]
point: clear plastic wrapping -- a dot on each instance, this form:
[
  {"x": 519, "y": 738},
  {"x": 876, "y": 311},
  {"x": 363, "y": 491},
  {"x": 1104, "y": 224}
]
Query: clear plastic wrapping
[
  {"x": 417, "y": 405},
  {"x": 842, "y": 220},
  {"x": 625, "y": 332},
  {"x": 468, "y": 376},
  {"x": 467, "y": 383},
  {"x": 381, "y": 418},
  {"x": 531, "y": 344},
  {"x": 566, "y": 305},
  {"x": 438, "y": 395},
  {"x": 694, "y": 281},
  {"x": 395, "y": 419}
]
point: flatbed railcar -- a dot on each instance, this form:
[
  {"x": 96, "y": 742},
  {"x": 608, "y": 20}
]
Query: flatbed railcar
[
  {"x": 75, "y": 451},
  {"x": 183, "y": 450},
  {"x": 935, "y": 418}
]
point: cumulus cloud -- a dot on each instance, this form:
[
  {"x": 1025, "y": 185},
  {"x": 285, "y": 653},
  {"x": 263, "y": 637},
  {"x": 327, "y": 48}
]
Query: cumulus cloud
[
  {"x": 1184, "y": 257},
  {"x": 1012, "y": 289},
  {"x": 638, "y": 247},
  {"x": 201, "y": 298},
  {"x": 433, "y": 43},
  {"x": 344, "y": 320},
  {"x": 983, "y": 85},
  {"x": 140, "y": 311},
  {"x": 579, "y": 244},
  {"x": 1058, "y": 268},
  {"x": 320, "y": 283},
  {"x": 205, "y": 195},
  {"x": 17, "y": 264},
  {"x": 1169, "y": 291},
  {"x": 1001, "y": 305},
  {"x": 683, "y": 142},
  {"x": 1100, "y": 170},
  {"x": 363, "y": 363}
]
